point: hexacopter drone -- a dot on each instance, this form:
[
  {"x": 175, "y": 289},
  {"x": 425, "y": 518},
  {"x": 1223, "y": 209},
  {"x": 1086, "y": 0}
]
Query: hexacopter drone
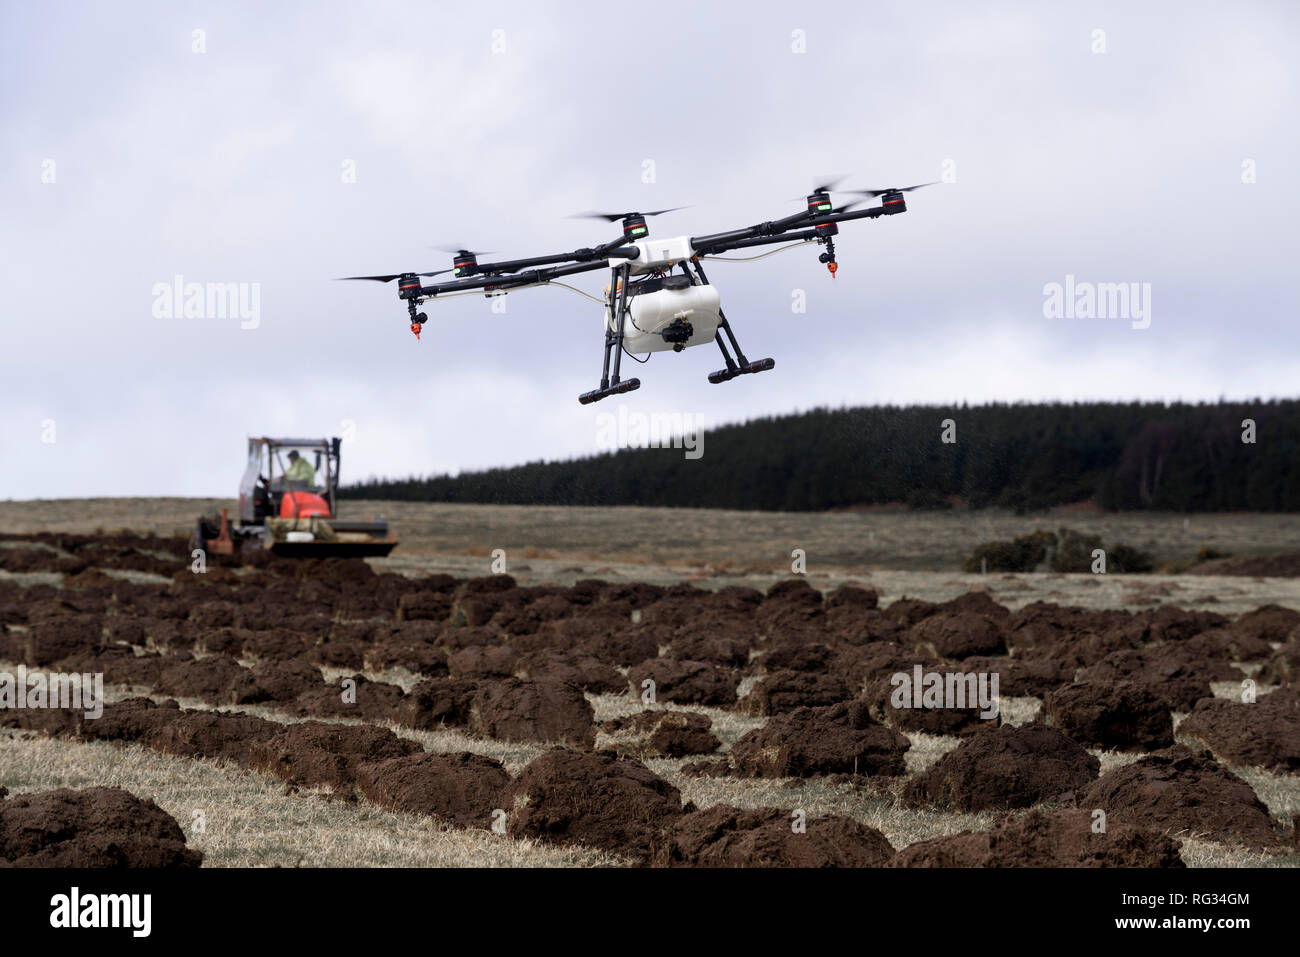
[{"x": 657, "y": 310}]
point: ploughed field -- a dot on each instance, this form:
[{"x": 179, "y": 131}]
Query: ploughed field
[{"x": 343, "y": 713}]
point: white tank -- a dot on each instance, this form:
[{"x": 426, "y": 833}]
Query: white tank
[{"x": 652, "y": 312}]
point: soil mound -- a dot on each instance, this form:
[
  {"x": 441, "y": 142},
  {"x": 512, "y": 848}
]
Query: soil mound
[
  {"x": 1177, "y": 678},
  {"x": 354, "y": 697},
  {"x": 959, "y": 635},
  {"x": 460, "y": 787},
  {"x": 724, "y": 836},
  {"x": 1021, "y": 677},
  {"x": 206, "y": 734},
  {"x": 1265, "y": 733},
  {"x": 1005, "y": 767},
  {"x": 483, "y": 661},
  {"x": 587, "y": 672},
  {"x": 781, "y": 691},
  {"x": 316, "y": 754},
  {"x": 1270, "y": 622},
  {"x": 438, "y": 702},
  {"x": 1182, "y": 792},
  {"x": 686, "y": 682},
  {"x": 1127, "y": 716},
  {"x": 595, "y": 798},
  {"x": 217, "y": 679},
  {"x": 1063, "y": 838},
  {"x": 516, "y": 709},
  {"x": 839, "y": 739},
  {"x": 91, "y": 827}
]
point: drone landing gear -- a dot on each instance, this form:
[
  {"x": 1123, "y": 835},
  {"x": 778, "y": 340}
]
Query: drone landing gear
[
  {"x": 739, "y": 365},
  {"x": 726, "y": 375},
  {"x": 613, "y": 384}
]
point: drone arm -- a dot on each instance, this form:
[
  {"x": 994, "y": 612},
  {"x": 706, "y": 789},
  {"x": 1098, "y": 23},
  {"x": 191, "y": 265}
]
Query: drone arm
[
  {"x": 578, "y": 255},
  {"x": 512, "y": 281},
  {"x": 777, "y": 231},
  {"x": 714, "y": 248}
]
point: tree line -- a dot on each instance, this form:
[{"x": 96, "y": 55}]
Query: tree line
[{"x": 1223, "y": 456}]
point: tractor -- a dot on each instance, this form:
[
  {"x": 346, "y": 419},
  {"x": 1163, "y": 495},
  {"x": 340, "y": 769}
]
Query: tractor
[{"x": 288, "y": 505}]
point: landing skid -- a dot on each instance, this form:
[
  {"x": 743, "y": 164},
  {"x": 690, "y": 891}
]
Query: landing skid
[{"x": 726, "y": 375}]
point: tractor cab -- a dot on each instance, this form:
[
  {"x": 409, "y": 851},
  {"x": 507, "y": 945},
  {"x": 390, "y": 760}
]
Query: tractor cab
[
  {"x": 289, "y": 478},
  {"x": 287, "y": 503}
]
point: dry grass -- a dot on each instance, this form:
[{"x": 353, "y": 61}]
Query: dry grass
[{"x": 251, "y": 822}]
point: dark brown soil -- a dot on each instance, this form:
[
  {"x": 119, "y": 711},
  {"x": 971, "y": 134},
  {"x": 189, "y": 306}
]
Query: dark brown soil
[
  {"x": 514, "y": 709},
  {"x": 782, "y": 691},
  {"x": 1006, "y": 768},
  {"x": 1270, "y": 623},
  {"x": 483, "y": 661},
  {"x": 1264, "y": 733},
  {"x": 959, "y": 635},
  {"x": 955, "y": 721},
  {"x": 1063, "y": 838},
  {"x": 662, "y": 734},
  {"x": 1170, "y": 672},
  {"x": 354, "y": 697},
  {"x": 1184, "y": 793},
  {"x": 316, "y": 754},
  {"x": 1127, "y": 716},
  {"x": 91, "y": 827},
  {"x": 1020, "y": 677},
  {"x": 593, "y": 798},
  {"x": 576, "y": 668},
  {"x": 686, "y": 682},
  {"x": 513, "y": 662},
  {"x": 724, "y": 836},
  {"x": 461, "y": 788},
  {"x": 839, "y": 739},
  {"x": 217, "y": 679}
]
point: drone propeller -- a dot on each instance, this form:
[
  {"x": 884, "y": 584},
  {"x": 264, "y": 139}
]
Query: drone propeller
[
  {"x": 867, "y": 194},
  {"x": 454, "y": 250},
  {"x": 615, "y": 217},
  {"x": 831, "y": 182},
  {"x": 870, "y": 193},
  {"x": 397, "y": 275}
]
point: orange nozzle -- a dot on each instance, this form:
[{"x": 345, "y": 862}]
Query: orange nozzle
[
  {"x": 415, "y": 327},
  {"x": 832, "y": 267}
]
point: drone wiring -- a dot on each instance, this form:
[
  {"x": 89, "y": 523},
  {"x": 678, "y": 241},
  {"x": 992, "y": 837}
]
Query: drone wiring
[{"x": 750, "y": 259}]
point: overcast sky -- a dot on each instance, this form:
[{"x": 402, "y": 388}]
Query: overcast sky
[{"x": 1111, "y": 142}]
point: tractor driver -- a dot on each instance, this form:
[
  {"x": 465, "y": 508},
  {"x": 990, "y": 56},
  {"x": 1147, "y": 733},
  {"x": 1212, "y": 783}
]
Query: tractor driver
[{"x": 299, "y": 474}]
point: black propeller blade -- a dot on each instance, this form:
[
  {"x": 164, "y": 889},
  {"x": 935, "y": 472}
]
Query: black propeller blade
[
  {"x": 867, "y": 194},
  {"x": 393, "y": 276},
  {"x": 830, "y": 183},
  {"x": 615, "y": 217},
  {"x": 871, "y": 193},
  {"x": 464, "y": 249}
]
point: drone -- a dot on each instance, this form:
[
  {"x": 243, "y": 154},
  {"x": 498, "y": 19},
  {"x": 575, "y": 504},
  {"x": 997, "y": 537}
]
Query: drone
[{"x": 649, "y": 305}]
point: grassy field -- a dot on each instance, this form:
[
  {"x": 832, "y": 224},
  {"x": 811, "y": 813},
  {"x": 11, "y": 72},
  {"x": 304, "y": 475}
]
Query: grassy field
[
  {"x": 897, "y": 552},
  {"x": 250, "y": 820}
]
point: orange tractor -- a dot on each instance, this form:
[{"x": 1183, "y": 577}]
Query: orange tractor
[{"x": 288, "y": 504}]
